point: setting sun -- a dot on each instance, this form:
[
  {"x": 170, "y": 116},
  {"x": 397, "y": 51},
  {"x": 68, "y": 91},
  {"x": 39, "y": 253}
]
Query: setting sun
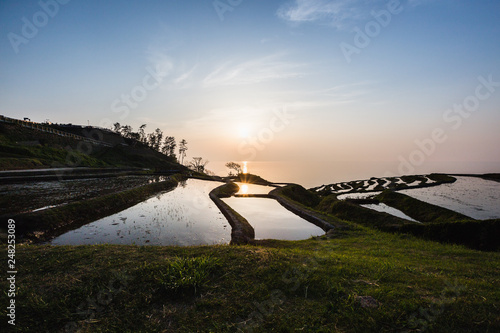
[{"x": 244, "y": 131}]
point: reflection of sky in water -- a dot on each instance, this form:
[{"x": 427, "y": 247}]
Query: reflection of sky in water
[
  {"x": 381, "y": 207},
  {"x": 185, "y": 216},
  {"x": 358, "y": 195},
  {"x": 254, "y": 189},
  {"x": 471, "y": 196},
  {"x": 271, "y": 220}
]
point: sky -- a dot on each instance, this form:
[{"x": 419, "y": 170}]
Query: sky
[{"x": 351, "y": 88}]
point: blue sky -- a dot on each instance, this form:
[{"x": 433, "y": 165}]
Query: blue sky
[{"x": 224, "y": 81}]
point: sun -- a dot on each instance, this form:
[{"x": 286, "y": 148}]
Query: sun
[{"x": 244, "y": 131}]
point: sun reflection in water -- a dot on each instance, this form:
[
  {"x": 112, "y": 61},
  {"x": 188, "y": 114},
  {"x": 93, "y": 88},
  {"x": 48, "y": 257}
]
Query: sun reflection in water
[
  {"x": 244, "y": 189},
  {"x": 245, "y": 169}
]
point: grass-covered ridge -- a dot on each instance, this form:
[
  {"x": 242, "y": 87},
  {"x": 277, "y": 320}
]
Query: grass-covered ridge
[
  {"x": 322, "y": 285},
  {"x": 25, "y": 148}
]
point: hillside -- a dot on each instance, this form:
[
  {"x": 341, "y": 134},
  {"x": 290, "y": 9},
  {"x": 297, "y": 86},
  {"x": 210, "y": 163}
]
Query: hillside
[{"x": 26, "y": 148}]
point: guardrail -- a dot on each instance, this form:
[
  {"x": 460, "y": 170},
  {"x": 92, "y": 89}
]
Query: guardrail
[{"x": 42, "y": 128}]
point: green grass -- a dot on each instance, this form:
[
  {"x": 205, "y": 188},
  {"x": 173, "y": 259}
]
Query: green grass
[
  {"x": 13, "y": 156},
  {"x": 181, "y": 276},
  {"x": 309, "y": 286}
]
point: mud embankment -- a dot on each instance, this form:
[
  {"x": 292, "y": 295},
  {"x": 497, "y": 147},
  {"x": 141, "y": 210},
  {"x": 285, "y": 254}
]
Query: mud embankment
[{"x": 241, "y": 231}]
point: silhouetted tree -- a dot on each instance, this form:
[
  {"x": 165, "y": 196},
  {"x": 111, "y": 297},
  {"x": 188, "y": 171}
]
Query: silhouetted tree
[
  {"x": 117, "y": 127},
  {"x": 169, "y": 146},
  {"x": 182, "y": 150},
  {"x": 233, "y": 166},
  {"x": 126, "y": 130},
  {"x": 198, "y": 164},
  {"x": 154, "y": 139},
  {"x": 142, "y": 134}
]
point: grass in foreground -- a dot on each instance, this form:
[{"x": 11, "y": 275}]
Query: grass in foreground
[{"x": 318, "y": 285}]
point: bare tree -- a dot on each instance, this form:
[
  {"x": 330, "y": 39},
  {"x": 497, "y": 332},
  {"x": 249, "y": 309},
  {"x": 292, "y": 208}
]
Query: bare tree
[
  {"x": 198, "y": 164},
  {"x": 233, "y": 166}
]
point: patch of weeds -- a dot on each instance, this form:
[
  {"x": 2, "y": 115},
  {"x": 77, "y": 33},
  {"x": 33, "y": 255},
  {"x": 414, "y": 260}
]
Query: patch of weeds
[{"x": 182, "y": 276}]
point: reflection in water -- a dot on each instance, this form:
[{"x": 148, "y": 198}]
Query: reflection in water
[
  {"x": 254, "y": 189},
  {"x": 245, "y": 168},
  {"x": 271, "y": 220},
  {"x": 471, "y": 196},
  {"x": 381, "y": 207},
  {"x": 185, "y": 216},
  {"x": 243, "y": 189}
]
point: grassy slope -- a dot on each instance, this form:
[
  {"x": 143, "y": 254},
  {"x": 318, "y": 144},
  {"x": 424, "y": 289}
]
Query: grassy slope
[
  {"x": 56, "y": 151},
  {"x": 309, "y": 286}
]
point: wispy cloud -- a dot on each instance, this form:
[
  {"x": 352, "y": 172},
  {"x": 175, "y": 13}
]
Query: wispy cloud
[
  {"x": 310, "y": 10},
  {"x": 254, "y": 71},
  {"x": 160, "y": 61},
  {"x": 338, "y": 13},
  {"x": 185, "y": 76},
  {"x": 176, "y": 74}
]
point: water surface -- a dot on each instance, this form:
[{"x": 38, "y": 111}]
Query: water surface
[
  {"x": 246, "y": 188},
  {"x": 185, "y": 216},
  {"x": 471, "y": 196},
  {"x": 271, "y": 220},
  {"x": 381, "y": 207}
]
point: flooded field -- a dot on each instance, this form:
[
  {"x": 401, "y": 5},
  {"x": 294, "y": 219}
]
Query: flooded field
[
  {"x": 254, "y": 189},
  {"x": 18, "y": 198},
  {"x": 271, "y": 220},
  {"x": 471, "y": 196},
  {"x": 358, "y": 195},
  {"x": 185, "y": 216},
  {"x": 381, "y": 207}
]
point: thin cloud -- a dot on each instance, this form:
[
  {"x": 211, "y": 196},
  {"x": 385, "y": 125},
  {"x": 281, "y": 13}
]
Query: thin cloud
[
  {"x": 253, "y": 71},
  {"x": 161, "y": 62},
  {"x": 310, "y": 10},
  {"x": 185, "y": 76},
  {"x": 339, "y": 13}
]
